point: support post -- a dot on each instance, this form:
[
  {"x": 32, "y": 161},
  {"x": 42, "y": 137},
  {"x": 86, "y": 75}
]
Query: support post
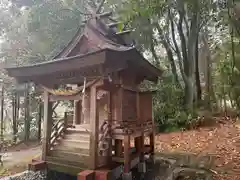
[
  {"x": 39, "y": 121},
  {"x": 151, "y": 137},
  {"x": 118, "y": 147},
  {"x": 94, "y": 124},
  {"x": 2, "y": 109},
  {"x": 139, "y": 143},
  {"x": 127, "y": 154},
  {"x": 47, "y": 125},
  {"x": 127, "y": 175},
  {"x": 65, "y": 121},
  {"x": 110, "y": 109},
  {"x": 76, "y": 112}
]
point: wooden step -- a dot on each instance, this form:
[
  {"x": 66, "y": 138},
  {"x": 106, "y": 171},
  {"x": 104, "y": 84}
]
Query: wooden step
[
  {"x": 78, "y": 131},
  {"x": 70, "y": 155},
  {"x": 59, "y": 160},
  {"x": 75, "y": 143},
  {"x": 62, "y": 147},
  {"x": 72, "y": 170},
  {"x": 77, "y": 136}
]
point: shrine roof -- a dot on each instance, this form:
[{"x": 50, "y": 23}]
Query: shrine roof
[{"x": 97, "y": 45}]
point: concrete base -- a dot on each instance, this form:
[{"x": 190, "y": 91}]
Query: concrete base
[
  {"x": 142, "y": 167},
  {"x": 127, "y": 176}
]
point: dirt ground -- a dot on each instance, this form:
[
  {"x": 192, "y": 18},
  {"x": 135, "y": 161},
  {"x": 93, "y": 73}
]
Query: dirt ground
[
  {"x": 222, "y": 141},
  {"x": 16, "y": 159}
]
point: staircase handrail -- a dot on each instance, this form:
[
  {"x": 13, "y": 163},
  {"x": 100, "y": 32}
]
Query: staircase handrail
[{"x": 58, "y": 129}]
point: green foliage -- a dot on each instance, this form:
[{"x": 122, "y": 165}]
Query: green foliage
[{"x": 168, "y": 106}]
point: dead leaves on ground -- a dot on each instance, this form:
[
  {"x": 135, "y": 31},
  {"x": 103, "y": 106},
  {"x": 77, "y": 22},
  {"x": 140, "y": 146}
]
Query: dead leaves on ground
[{"x": 222, "y": 141}]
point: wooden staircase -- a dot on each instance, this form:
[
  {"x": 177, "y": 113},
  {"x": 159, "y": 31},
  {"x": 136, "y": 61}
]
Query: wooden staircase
[{"x": 70, "y": 152}]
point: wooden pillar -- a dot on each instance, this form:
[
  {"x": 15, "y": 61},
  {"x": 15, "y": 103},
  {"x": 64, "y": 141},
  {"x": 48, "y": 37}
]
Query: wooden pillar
[
  {"x": 94, "y": 124},
  {"x": 151, "y": 137},
  {"x": 39, "y": 120},
  {"x": 76, "y": 112},
  {"x": 118, "y": 147},
  {"x": 127, "y": 154},
  {"x": 47, "y": 125},
  {"x": 139, "y": 142},
  {"x": 110, "y": 109}
]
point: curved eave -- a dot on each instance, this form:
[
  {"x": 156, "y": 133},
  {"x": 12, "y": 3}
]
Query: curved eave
[
  {"x": 151, "y": 72},
  {"x": 58, "y": 65}
]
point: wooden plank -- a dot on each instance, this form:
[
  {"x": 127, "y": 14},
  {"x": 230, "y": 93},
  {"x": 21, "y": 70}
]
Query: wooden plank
[
  {"x": 65, "y": 98},
  {"x": 118, "y": 147},
  {"x": 75, "y": 113},
  {"x": 94, "y": 125},
  {"x": 152, "y": 138},
  {"x": 72, "y": 170},
  {"x": 110, "y": 110},
  {"x": 47, "y": 125},
  {"x": 127, "y": 154}
]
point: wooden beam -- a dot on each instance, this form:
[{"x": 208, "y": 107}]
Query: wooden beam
[
  {"x": 47, "y": 125},
  {"x": 75, "y": 113},
  {"x": 152, "y": 138},
  {"x": 64, "y": 98},
  {"x": 94, "y": 125},
  {"x": 127, "y": 154},
  {"x": 110, "y": 117}
]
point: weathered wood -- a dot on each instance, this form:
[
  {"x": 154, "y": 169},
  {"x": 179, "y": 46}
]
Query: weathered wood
[
  {"x": 110, "y": 109},
  {"x": 127, "y": 154},
  {"x": 39, "y": 120},
  {"x": 47, "y": 125},
  {"x": 151, "y": 137},
  {"x": 118, "y": 147},
  {"x": 94, "y": 125},
  {"x": 76, "y": 113},
  {"x": 2, "y": 109},
  {"x": 65, "y": 98},
  {"x": 37, "y": 166},
  {"x": 86, "y": 175}
]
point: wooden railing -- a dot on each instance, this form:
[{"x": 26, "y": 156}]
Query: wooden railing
[
  {"x": 104, "y": 136},
  {"x": 130, "y": 127},
  {"x": 58, "y": 129}
]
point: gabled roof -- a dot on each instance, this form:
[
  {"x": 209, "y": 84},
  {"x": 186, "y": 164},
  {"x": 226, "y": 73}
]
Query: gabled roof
[{"x": 98, "y": 45}]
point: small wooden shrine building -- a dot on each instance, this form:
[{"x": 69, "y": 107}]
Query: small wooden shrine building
[{"x": 100, "y": 70}]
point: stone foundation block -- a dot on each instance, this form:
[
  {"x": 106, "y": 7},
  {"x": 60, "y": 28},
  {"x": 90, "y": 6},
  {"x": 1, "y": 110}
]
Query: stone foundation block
[{"x": 86, "y": 175}]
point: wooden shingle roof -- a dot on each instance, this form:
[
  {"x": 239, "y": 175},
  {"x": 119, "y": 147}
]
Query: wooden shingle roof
[{"x": 96, "y": 51}]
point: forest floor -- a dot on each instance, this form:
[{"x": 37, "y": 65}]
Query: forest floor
[
  {"x": 221, "y": 141},
  {"x": 16, "y": 159}
]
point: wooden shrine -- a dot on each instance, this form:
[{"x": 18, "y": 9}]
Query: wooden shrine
[{"x": 100, "y": 71}]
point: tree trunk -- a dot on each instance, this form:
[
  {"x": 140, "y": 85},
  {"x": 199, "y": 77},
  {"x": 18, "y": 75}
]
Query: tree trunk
[
  {"x": 170, "y": 56},
  {"x": 26, "y": 114},
  {"x": 192, "y": 41},
  {"x": 2, "y": 109},
  {"x": 172, "y": 63},
  {"x": 197, "y": 76},
  {"x": 39, "y": 121},
  {"x": 14, "y": 116}
]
